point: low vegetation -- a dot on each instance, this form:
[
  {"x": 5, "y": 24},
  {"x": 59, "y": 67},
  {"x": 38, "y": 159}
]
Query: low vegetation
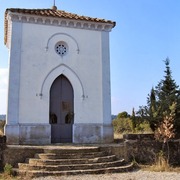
[
  {"x": 8, "y": 169},
  {"x": 124, "y": 124}
]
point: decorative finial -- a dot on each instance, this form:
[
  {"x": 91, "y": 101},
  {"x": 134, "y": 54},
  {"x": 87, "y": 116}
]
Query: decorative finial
[{"x": 54, "y": 6}]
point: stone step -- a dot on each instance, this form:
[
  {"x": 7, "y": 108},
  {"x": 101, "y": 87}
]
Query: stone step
[
  {"x": 28, "y": 167},
  {"x": 70, "y": 161},
  {"x": 39, "y": 173},
  {"x": 74, "y": 150},
  {"x": 70, "y": 156}
]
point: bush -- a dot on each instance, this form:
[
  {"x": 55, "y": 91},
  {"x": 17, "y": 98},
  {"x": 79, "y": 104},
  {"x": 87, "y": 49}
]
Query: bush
[
  {"x": 143, "y": 127},
  {"x": 8, "y": 169},
  {"x": 122, "y": 125},
  {"x": 128, "y": 125}
]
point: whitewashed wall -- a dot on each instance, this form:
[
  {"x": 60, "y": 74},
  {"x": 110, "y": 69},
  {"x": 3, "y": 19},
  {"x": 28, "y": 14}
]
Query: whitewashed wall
[{"x": 34, "y": 65}]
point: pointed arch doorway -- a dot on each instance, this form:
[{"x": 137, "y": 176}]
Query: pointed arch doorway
[{"x": 61, "y": 110}]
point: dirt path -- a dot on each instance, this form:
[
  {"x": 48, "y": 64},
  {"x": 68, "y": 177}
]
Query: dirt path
[{"x": 138, "y": 175}]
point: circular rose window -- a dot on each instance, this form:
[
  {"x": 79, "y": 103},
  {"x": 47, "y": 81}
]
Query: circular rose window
[{"x": 61, "y": 48}]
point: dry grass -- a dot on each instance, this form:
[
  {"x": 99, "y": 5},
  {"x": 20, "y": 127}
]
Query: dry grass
[
  {"x": 161, "y": 165},
  {"x": 1, "y": 132},
  {"x": 4, "y": 176},
  {"x": 156, "y": 168},
  {"x": 2, "y": 124},
  {"x": 118, "y": 136}
]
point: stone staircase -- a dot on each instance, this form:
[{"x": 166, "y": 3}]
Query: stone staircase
[{"x": 58, "y": 161}]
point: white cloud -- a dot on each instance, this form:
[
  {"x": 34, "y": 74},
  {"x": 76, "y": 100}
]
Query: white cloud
[{"x": 3, "y": 89}]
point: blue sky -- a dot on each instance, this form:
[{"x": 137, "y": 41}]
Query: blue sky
[{"x": 146, "y": 32}]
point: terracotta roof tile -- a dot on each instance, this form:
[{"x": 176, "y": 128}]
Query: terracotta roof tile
[
  {"x": 58, "y": 14},
  {"x": 53, "y": 13}
]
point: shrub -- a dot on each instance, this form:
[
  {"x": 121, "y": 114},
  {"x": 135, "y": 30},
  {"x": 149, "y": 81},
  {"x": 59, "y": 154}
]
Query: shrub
[
  {"x": 127, "y": 125},
  {"x": 122, "y": 125},
  {"x": 8, "y": 169},
  {"x": 143, "y": 127}
]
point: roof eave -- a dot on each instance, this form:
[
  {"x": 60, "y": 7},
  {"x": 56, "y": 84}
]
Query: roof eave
[{"x": 10, "y": 12}]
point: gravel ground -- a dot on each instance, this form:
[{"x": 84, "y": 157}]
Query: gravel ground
[{"x": 138, "y": 175}]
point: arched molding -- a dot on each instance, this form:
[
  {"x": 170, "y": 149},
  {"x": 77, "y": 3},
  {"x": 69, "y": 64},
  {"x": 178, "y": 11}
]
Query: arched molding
[
  {"x": 65, "y": 34},
  {"x": 62, "y": 69}
]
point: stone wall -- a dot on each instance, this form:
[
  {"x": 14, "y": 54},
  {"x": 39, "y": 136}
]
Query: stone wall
[
  {"x": 141, "y": 148},
  {"x": 14, "y": 154},
  {"x": 2, "y": 147},
  {"x": 144, "y": 149}
]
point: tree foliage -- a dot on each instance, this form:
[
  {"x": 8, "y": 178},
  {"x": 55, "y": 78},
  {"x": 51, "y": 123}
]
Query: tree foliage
[
  {"x": 124, "y": 123},
  {"x": 123, "y": 114},
  {"x": 160, "y": 101}
]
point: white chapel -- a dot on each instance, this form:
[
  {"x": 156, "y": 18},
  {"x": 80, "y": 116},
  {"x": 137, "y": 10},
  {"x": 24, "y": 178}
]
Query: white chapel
[{"x": 59, "y": 77}]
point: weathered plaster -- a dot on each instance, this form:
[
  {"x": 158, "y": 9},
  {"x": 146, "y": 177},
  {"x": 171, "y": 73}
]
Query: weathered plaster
[{"x": 34, "y": 65}]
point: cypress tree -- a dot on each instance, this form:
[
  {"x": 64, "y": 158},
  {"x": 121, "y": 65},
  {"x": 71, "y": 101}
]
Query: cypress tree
[{"x": 161, "y": 99}]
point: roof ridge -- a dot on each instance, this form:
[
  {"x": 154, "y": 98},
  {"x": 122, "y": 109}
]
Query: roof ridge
[
  {"x": 24, "y": 10},
  {"x": 54, "y": 13}
]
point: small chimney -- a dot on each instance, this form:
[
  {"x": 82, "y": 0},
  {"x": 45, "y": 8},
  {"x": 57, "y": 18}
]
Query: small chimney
[{"x": 54, "y": 8}]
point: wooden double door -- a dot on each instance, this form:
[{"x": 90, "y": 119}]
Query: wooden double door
[{"x": 61, "y": 110}]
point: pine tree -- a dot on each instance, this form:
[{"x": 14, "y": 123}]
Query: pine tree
[{"x": 161, "y": 99}]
